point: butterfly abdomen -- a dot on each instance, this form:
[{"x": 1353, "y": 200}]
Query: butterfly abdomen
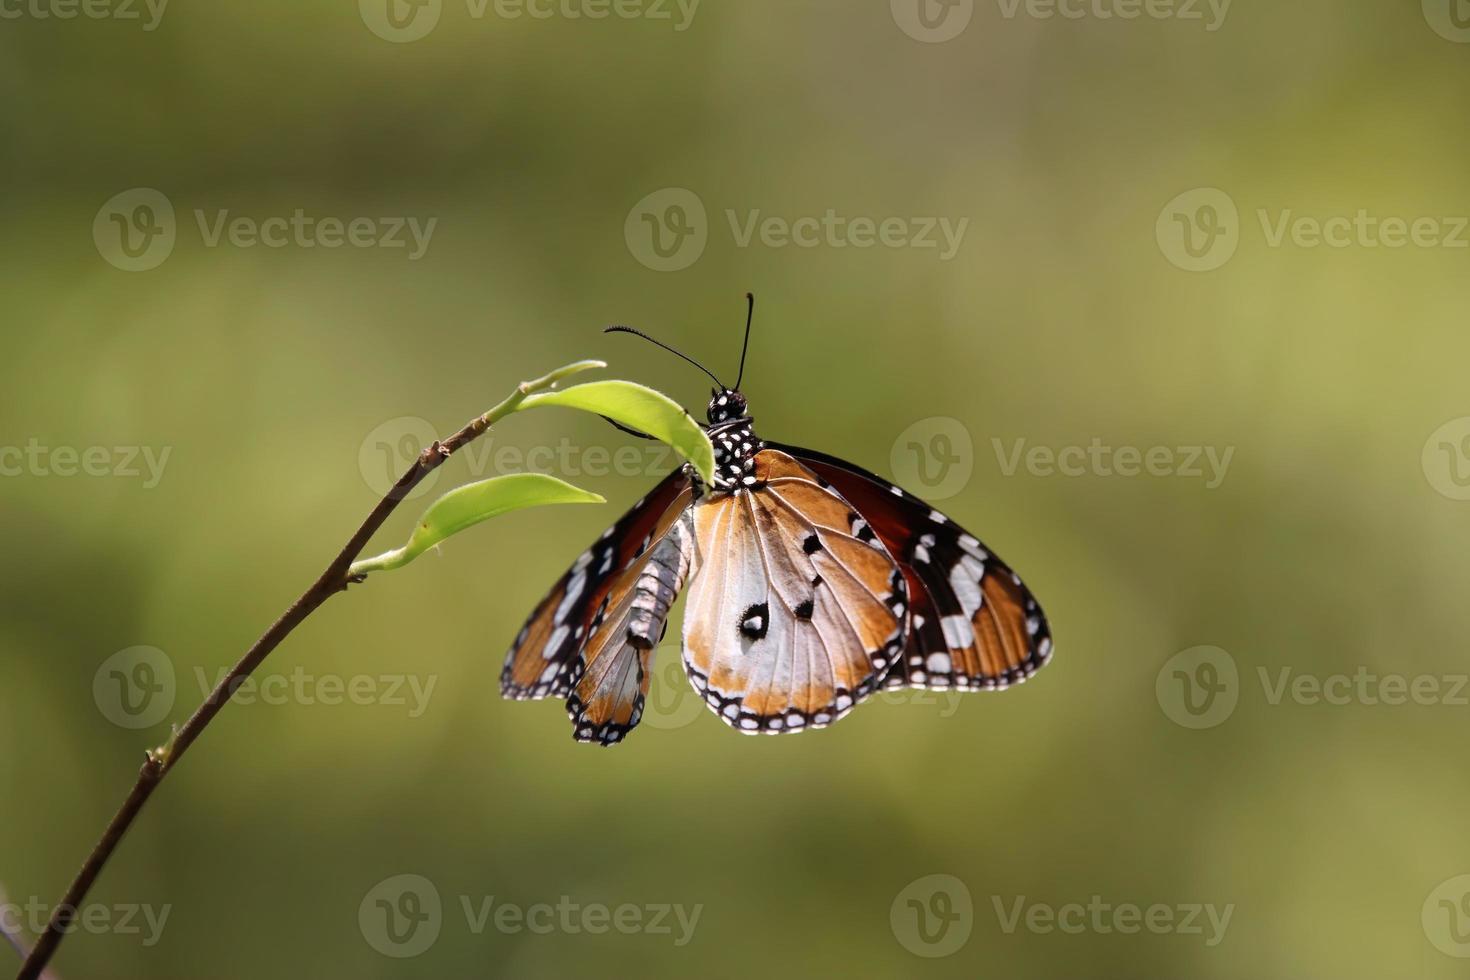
[{"x": 659, "y": 584}]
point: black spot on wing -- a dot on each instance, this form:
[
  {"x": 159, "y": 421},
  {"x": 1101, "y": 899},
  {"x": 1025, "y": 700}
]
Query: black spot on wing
[{"x": 756, "y": 621}]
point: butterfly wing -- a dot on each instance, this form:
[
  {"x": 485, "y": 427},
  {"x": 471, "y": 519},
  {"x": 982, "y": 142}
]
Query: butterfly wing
[
  {"x": 609, "y": 675},
  {"x": 975, "y": 624},
  {"x": 539, "y": 663},
  {"x": 796, "y": 610}
]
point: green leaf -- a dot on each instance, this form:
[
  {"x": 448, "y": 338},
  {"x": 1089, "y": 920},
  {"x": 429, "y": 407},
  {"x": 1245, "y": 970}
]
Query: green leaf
[
  {"x": 638, "y": 408},
  {"x": 468, "y": 505}
]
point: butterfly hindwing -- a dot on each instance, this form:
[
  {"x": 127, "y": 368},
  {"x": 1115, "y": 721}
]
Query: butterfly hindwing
[
  {"x": 974, "y": 624},
  {"x": 797, "y": 610},
  {"x": 541, "y": 661}
]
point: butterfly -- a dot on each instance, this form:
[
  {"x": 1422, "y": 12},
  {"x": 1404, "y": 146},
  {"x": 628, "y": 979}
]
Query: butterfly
[{"x": 812, "y": 584}]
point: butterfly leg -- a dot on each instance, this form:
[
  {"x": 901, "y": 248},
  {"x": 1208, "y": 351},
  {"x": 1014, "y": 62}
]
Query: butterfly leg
[{"x": 630, "y": 431}]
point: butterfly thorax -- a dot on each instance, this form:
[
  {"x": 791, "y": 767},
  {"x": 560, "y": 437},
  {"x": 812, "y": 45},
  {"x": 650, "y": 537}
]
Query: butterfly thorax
[{"x": 732, "y": 431}]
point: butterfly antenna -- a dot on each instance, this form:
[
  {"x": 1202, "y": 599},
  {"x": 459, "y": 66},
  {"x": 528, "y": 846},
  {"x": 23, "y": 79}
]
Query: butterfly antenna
[
  {"x": 749, "y": 316},
  {"x": 659, "y": 343}
]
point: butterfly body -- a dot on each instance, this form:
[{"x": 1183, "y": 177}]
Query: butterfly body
[
  {"x": 732, "y": 432},
  {"x": 812, "y": 584}
]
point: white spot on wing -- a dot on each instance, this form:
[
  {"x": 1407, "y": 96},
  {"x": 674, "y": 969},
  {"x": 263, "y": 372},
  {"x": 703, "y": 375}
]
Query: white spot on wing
[
  {"x": 958, "y": 633},
  {"x": 966, "y": 588},
  {"x": 972, "y": 546},
  {"x": 574, "y": 589}
]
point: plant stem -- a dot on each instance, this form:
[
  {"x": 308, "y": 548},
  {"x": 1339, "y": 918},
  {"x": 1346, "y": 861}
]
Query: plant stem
[{"x": 160, "y": 762}]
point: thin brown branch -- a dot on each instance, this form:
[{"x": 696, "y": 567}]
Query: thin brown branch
[{"x": 335, "y": 579}]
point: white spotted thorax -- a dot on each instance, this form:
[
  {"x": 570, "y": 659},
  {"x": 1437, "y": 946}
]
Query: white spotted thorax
[{"x": 733, "y": 434}]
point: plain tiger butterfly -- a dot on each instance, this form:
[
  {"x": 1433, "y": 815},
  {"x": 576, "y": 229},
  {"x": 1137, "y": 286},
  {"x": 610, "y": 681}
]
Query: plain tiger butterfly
[{"x": 812, "y": 584}]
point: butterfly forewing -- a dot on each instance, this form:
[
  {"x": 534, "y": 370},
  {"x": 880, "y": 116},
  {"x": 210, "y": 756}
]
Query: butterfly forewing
[
  {"x": 539, "y": 663},
  {"x": 795, "y": 613},
  {"x": 974, "y": 624}
]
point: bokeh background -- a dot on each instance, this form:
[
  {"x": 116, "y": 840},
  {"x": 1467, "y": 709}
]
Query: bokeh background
[{"x": 1137, "y": 268}]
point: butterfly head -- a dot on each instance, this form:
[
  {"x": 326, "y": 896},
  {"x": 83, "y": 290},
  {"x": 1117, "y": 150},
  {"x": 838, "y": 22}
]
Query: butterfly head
[{"x": 725, "y": 405}]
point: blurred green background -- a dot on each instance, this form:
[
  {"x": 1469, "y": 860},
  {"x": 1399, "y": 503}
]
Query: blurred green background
[{"x": 1099, "y": 291}]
